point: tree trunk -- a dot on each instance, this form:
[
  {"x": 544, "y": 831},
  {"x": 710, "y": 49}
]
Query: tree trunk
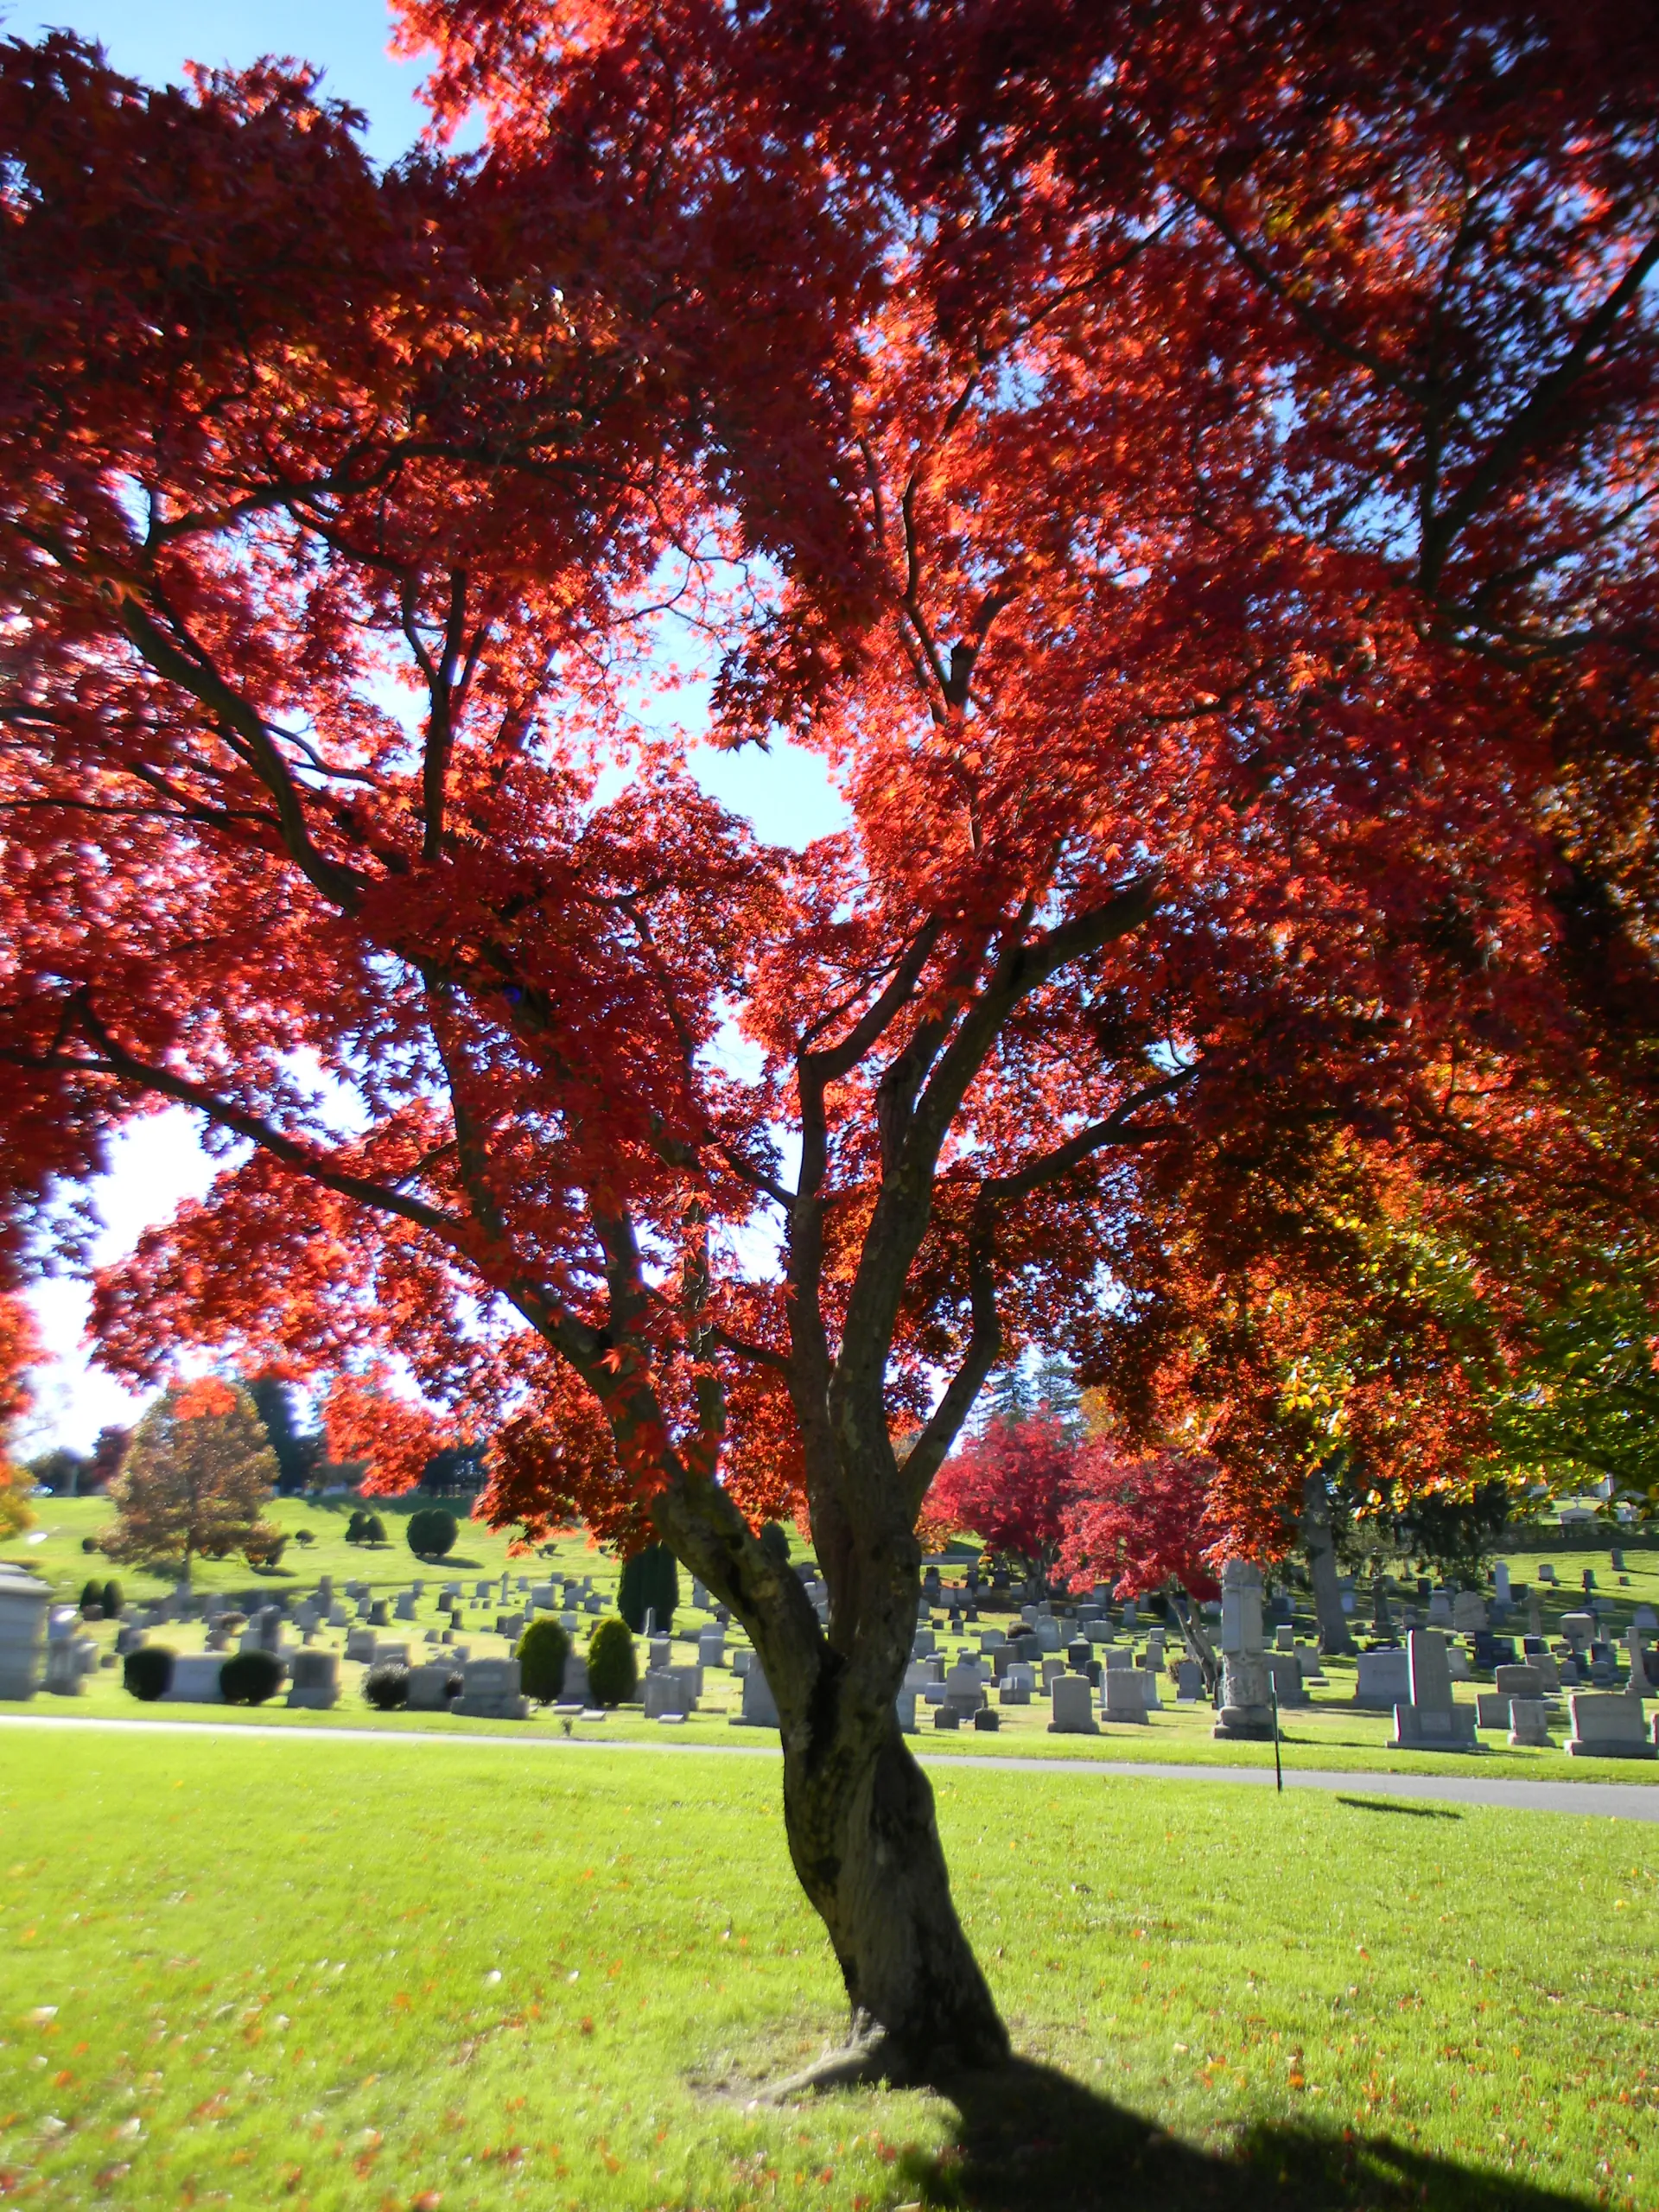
[
  {"x": 859, "y": 1815},
  {"x": 1317, "y": 1542}
]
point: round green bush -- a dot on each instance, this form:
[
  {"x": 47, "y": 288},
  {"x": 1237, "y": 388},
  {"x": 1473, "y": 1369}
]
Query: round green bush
[
  {"x": 374, "y": 1531},
  {"x": 651, "y": 1584},
  {"x": 90, "y": 1544},
  {"x": 386, "y": 1685},
  {"x": 147, "y": 1672},
  {"x": 357, "y": 1528},
  {"x": 542, "y": 1650},
  {"x": 111, "y": 1601},
  {"x": 612, "y": 1670},
  {"x": 250, "y": 1677},
  {"x": 91, "y": 1597},
  {"x": 432, "y": 1532},
  {"x": 775, "y": 1542},
  {"x": 304, "y": 1536}
]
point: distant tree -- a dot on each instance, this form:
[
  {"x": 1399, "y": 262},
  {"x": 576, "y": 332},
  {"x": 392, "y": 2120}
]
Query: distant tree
[
  {"x": 430, "y": 1532},
  {"x": 62, "y": 1471},
  {"x": 195, "y": 1481},
  {"x": 1008, "y": 1394},
  {"x": 295, "y": 1454},
  {"x": 650, "y": 1583},
  {"x": 1010, "y": 1485},
  {"x": 1055, "y": 1390},
  {"x": 1456, "y": 1533},
  {"x": 456, "y": 1469},
  {"x": 108, "y": 1453}
]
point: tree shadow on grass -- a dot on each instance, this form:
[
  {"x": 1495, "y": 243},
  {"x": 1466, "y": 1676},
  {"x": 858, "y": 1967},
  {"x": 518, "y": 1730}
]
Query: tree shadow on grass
[
  {"x": 1399, "y": 1805},
  {"x": 1033, "y": 2140}
]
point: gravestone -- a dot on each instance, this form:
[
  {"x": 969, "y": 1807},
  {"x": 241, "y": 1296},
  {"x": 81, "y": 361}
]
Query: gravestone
[
  {"x": 314, "y": 1680},
  {"x": 1123, "y": 1696},
  {"x": 64, "y": 1670},
  {"x": 711, "y": 1648},
  {"x": 1246, "y": 1696},
  {"x": 389, "y": 1655},
  {"x": 378, "y": 1617},
  {"x": 1284, "y": 1637},
  {"x": 1071, "y": 1705},
  {"x": 923, "y": 1644},
  {"x": 1189, "y": 1682},
  {"x": 1646, "y": 1619},
  {"x": 1307, "y": 1658},
  {"x": 573, "y": 1689},
  {"x": 1492, "y": 1709},
  {"x": 759, "y": 1709},
  {"x": 1439, "y": 1611},
  {"x": 1432, "y": 1721},
  {"x": 428, "y": 1686},
  {"x": 664, "y": 1694},
  {"x": 360, "y": 1645},
  {"x": 1288, "y": 1679},
  {"x": 1468, "y": 1612},
  {"x": 195, "y": 1681},
  {"x": 405, "y": 1607},
  {"x": 1519, "y": 1681},
  {"x": 963, "y": 1689},
  {"x": 1018, "y": 1681},
  {"x": 490, "y": 1691},
  {"x": 1052, "y": 1669},
  {"x": 1048, "y": 1636},
  {"x": 1608, "y": 1727},
  {"x": 1617, "y": 1559},
  {"x": 1546, "y": 1572},
  {"x": 1501, "y": 1582},
  {"x": 1529, "y": 1724},
  {"x": 904, "y": 1706}
]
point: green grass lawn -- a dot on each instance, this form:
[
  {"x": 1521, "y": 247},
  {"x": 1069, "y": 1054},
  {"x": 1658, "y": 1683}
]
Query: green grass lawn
[{"x": 310, "y": 1974}]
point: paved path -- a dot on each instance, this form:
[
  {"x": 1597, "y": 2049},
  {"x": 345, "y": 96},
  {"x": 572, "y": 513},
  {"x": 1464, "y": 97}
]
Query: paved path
[{"x": 1611, "y": 1799}]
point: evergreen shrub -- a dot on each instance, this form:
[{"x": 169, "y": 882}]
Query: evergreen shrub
[
  {"x": 775, "y": 1542},
  {"x": 386, "y": 1685},
  {"x": 250, "y": 1677},
  {"x": 147, "y": 1672},
  {"x": 612, "y": 1670},
  {"x": 651, "y": 1584},
  {"x": 542, "y": 1650},
  {"x": 431, "y": 1532}
]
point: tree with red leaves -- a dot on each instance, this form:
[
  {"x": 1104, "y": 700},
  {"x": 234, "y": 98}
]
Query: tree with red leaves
[
  {"x": 1188, "y": 469},
  {"x": 20, "y": 1349},
  {"x": 1140, "y": 1522},
  {"x": 1010, "y": 1486}
]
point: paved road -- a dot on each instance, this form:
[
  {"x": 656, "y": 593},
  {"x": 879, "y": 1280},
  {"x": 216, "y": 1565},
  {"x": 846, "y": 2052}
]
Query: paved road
[{"x": 1458, "y": 1786}]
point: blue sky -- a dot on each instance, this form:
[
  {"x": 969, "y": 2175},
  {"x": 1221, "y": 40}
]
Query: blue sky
[{"x": 785, "y": 793}]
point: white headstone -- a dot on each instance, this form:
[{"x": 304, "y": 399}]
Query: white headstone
[{"x": 1072, "y": 1707}]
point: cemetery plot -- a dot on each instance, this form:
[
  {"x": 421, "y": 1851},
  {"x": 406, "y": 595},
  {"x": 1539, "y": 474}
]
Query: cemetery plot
[{"x": 1078, "y": 1676}]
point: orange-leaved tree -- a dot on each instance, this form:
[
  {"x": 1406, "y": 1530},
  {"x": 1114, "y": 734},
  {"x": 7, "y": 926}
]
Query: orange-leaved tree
[{"x": 1189, "y": 487}]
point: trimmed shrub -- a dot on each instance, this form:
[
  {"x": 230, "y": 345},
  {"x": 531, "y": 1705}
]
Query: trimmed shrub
[
  {"x": 386, "y": 1685},
  {"x": 542, "y": 1650},
  {"x": 374, "y": 1530},
  {"x": 250, "y": 1677},
  {"x": 91, "y": 1599},
  {"x": 111, "y": 1601},
  {"x": 432, "y": 1532},
  {"x": 147, "y": 1672},
  {"x": 612, "y": 1670},
  {"x": 304, "y": 1536},
  {"x": 775, "y": 1542},
  {"x": 651, "y": 1584},
  {"x": 357, "y": 1528},
  {"x": 90, "y": 1544}
]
